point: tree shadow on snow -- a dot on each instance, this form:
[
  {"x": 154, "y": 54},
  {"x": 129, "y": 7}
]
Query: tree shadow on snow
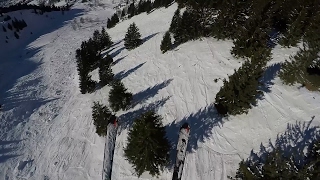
[
  {"x": 147, "y": 38},
  {"x": 124, "y": 74},
  {"x": 126, "y": 120},
  {"x": 19, "y": 99},
  {"x": 294, "y": 141},
  {"x": 117, "y": 52},
  {"x": 269, "y": 75},
  {"x": 144, "y": 95},
  {"x": 118, "y": 60},
  {"x": 201, "y": 124},
  {"x": 7, "y": 150}
]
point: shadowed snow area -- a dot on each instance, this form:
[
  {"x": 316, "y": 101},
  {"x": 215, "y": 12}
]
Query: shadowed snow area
[{"x": 46, "y": 128}]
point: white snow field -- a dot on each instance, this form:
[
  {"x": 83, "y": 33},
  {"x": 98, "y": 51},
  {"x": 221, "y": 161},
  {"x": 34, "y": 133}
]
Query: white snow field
[{"x": 46, "y": 130}]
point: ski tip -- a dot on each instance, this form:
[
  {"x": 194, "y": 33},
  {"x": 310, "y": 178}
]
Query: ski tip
[{"x": 186, "y": 127}]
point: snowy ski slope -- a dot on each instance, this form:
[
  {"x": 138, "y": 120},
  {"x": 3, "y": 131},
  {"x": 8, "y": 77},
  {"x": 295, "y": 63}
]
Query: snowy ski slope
[{"x": 46, "y": 130}]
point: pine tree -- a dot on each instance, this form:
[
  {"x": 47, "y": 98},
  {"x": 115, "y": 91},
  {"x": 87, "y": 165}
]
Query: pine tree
[
  {"x": 119, "y": 98},
  {"x": 148, "y": 148},
  {"x": 237, "y": 95},
  {"x": 131, "y": 10},
  {"x": 101, "y": 118},
  {"x": 109, "y": 23},
  {"x": 175, "y": 21},
  {"x": 296, "y": 70},
  {"x": 133, "y": 37},
  {"x": 105, "y": 39},
  {"x": 114, "y": 19},
  {"x": 96, "y": 40},
  {"x": 105, "y": 72},
  {"x": 166, "y": 43},
  {"x": 4, "y": 29},
  {"x": 295, "y": 30}
]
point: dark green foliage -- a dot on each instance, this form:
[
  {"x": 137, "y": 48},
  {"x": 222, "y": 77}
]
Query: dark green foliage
[
  {"x": 105, "y": 39},
  {"x": 89, "y": 57},
  {"x": 131, "y": 10},
  {"x": 148, "y": 148},
  {"x": 296, "y": 70},
  {"x": 113, "y": 21},
  {"x": 281, "y": 165},
  {"x": 119, "y": 98},
  {"x": 101, "y": 118},
  {"x": 312, "y": 35},
  {"x": 237, "y": 95},
  {"x": 166, "y": 43},
  {"x": 186, "y": 29},
  {"x": 250, "y": 23},
  {"x": 295, "y": 30},
  {"x": 87, "y": 85},
  {"x": 123, "y": 13},
  {"x": 252, "y": 37},
  {"x": 133, "y": 37},
  {"x": 105, "y": 72},
  {"x": 230, "y": 19},
  {"x": 175, "y": 22},
  {"x": 4, "y": 29}
]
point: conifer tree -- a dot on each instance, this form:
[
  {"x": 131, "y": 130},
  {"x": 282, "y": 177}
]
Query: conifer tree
[
  {"x": 296, "y": 29},
  {"x": 109, "y": 24},
  {"x": 105, "y": 39},
  {"x": 119, "y": 98},
  {"x": 4, "y": 29},
  {"x": 114, "y": 19},
  {"x": 101, "y": 118},
  {"x": 175, "y": 21},
  {"x": 131, "y": 10},
  {"x": 148, "y": 148},
  {"x": 237, "y": 95},
  {"x": 166, "y": 43},
  {"x": 105, "y": 72},
  {"x": 133, "y": 37},
  {"x": 96, "y": 40},
  {"x": 295, "y": 71}
]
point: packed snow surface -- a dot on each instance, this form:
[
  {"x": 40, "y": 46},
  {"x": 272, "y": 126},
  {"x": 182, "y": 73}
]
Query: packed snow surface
[{"x": 46, "y": 129}]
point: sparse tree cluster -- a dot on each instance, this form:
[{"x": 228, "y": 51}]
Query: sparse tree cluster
[
  {"x": 88, "y": 58},
  {"x": 148, "y": 147},
  {"x": 42, "y": 8}
]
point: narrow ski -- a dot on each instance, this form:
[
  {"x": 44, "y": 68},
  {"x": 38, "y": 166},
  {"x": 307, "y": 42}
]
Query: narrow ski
[{"x": 181, "y": 151}]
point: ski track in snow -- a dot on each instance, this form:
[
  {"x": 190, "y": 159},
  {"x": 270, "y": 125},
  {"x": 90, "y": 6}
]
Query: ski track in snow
[{"x": 47, "y": 131}]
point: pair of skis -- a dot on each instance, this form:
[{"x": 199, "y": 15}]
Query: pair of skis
[{"x": 112, "y": 129}]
